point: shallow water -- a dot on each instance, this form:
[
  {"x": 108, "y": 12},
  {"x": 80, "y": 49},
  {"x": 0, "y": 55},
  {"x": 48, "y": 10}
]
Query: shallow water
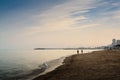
[{"x": 24, "y": 62}]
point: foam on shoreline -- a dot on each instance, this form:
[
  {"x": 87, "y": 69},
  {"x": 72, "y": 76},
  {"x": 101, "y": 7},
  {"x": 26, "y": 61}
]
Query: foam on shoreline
[{"x": 52, "y": 65}]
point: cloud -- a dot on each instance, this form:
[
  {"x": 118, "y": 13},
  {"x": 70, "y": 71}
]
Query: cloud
[
  {"x": 61, "y": 17},
  {"x": 89, "y": 26},
  {"x": 116, "y": 15},
  {"x": 76, "y": 22}
]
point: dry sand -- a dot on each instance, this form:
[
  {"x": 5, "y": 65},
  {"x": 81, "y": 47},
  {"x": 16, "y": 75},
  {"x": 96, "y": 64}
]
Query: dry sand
[{"x": 98, "y": 65}]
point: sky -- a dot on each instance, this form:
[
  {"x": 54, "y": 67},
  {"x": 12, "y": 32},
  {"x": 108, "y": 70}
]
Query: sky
[{"x": 27, "y": 24}]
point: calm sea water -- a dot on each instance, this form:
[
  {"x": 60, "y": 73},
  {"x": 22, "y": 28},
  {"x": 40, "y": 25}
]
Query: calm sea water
[{"x": 16, "y": 63}]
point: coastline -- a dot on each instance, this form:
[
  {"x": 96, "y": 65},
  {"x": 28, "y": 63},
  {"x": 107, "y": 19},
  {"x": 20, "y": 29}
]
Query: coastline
[
  {"x": 98, "y": 65},
  {"x": 41, "y": 70},
  {"x": 52, "y": 65}
]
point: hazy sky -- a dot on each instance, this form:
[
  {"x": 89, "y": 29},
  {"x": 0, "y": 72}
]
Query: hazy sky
[{"x": 58, "y": 23}]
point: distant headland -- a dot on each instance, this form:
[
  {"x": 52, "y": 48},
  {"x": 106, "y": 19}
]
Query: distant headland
[{"x": 102, "y": 47}]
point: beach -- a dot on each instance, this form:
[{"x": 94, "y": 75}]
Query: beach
[{"x": 97, "y": 65}]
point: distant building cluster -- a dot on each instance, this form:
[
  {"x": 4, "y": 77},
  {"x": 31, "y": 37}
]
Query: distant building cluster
[{"x": 115, "y": 42}]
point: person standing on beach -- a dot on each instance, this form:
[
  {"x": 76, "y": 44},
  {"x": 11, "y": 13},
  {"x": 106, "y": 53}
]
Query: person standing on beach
[
  {"x": 77, "y": 51},
  {"x": 81, "y": 51}
]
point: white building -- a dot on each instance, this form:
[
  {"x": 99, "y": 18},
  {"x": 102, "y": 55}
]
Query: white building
[
  {"x": 118, "y": 42},
  {"x": 113, "y": 42}
]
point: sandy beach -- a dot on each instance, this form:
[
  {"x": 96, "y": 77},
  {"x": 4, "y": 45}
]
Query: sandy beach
[{"x": 98, "y": 65}]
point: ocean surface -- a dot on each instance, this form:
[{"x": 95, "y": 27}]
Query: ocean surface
[{"x": 27, "y": 64}]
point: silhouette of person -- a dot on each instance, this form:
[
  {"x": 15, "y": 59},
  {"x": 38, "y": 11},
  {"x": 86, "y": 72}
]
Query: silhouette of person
[
  {"x": 77, "y": 51},
  {"x": 81, "y": 51}
]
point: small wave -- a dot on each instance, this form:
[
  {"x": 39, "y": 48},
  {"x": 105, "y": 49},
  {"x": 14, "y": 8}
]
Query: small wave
[
  {"x": 30, "y": 74},
  {"x": 51, "y": 65},
  {"x": 42, "y": 69}
]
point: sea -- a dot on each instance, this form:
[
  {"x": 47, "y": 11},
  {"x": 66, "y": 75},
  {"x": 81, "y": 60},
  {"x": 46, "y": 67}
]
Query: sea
[{"x": 28, "y": 64}]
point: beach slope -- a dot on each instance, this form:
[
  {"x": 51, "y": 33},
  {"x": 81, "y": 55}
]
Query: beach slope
[{"x": 98, "y": 65}]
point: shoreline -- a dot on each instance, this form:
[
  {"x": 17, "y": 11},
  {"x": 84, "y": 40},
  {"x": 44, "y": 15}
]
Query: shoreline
[
  {"x": 60, "y": 63},
  {"x": 52, "y": 65},
  {"x": 97, "y": 65}
]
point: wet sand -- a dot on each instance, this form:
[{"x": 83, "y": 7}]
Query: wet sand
[{"x": 98, "y": 65}]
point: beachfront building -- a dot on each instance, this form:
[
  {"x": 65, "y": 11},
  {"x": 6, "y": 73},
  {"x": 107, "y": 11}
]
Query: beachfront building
[
  {"x": 115, "y": 44},
  {"x": 118, "y": 42}
]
